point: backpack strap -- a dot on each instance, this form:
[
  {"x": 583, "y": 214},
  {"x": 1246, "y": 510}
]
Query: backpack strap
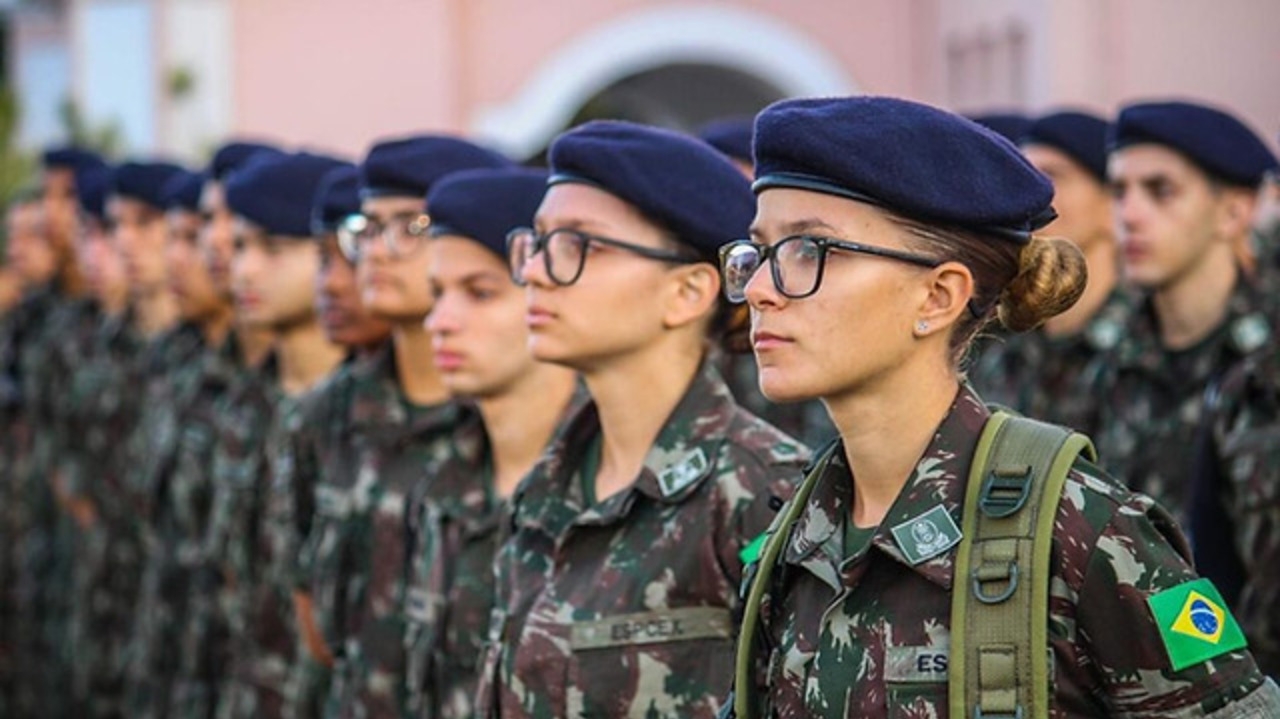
[
  {"x": 999, "y": 663},
  {"x": 740, "y": 699}
]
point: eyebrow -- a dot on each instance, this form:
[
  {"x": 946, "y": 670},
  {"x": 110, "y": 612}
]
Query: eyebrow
[{"x": 797, "y": 227}]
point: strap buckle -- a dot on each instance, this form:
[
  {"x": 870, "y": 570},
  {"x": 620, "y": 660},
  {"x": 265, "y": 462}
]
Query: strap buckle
[
  {"x": 980, "y": 576},
  {"x": 1005, "y": 491}
]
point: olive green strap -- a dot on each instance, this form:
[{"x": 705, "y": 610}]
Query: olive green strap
[
  {"x": 999, "y": 666},
  {"x": 743, "y": 682}
]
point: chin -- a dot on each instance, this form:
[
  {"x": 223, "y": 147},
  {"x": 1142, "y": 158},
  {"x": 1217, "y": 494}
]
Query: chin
[{"x": 782, "y": 388}]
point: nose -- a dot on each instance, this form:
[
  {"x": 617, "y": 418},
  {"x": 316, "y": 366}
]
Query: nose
[
  {"x": 533, "y": 270},
  {"x": 442, "y": 319},
  {"x": 760, "y": 291}
]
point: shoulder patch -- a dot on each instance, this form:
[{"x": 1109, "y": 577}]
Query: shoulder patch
[{"x": 1194, "y": 623}]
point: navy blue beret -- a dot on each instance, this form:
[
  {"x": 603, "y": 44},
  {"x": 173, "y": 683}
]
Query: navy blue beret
[
  {"x": 485, "y": 205},
  {"x": 92, "y": 184},
  {"x": 276, "y": 193},
  {"x": 1213, "y": 139},
  {"x": 407, "y": 167},
  {"x": 143, "y": 181},
  {"x": 730, "y": 135},
  {"x": 337, "y": 197},
  {"x": 182, "y": 191},
  {"x": 910, "y": 158},
  {"x": 233, "y": 155},
  {"x": 1083, "y": 137},
  {"x": 680, "y": 182},
  {"x": 1009, "y": 125},
  {"x": 71, "y": 158}
]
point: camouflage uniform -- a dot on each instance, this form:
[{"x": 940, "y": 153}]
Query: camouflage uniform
[
  {"x": 1041, "y": 376},
  {"x": 364, "y": 450},
  {"x": 627, "y": 607},
  {"x": 455, "y": 529},
  {"x": 863, "y": 632},
  {"x": 29, "y": 510},
  {"x": 245, "y": 637},
  {"x": 1240, "y": 497},
  {"x": 1146, "y": 431},
  {"x": 154, "y": 449},
  {"x": 103, "y": 405}
]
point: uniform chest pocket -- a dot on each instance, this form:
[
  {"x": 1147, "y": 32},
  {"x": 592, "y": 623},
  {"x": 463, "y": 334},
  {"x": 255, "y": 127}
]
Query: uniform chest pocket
[
  {"x": 916, "y": 682},
  {"x": 675, "y": 662}
]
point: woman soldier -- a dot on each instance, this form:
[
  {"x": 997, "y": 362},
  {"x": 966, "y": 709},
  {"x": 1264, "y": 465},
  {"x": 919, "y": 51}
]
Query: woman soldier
[
  {"x": 457, "y": 521},
  {"x": 893, "y": 232},
  {"x": 618, "y": 588}
]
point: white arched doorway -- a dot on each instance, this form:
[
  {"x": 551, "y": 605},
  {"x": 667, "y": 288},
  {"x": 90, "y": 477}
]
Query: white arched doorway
[{"x": 752, "y": 51}]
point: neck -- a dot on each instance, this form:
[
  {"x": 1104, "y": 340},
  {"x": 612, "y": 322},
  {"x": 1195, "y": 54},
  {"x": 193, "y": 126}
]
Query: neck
[
  {"x": 1103, "y": 267},
  {"x": 415, "y": 365},
  {"x": 113, "y": 303},
  {"x": 520, "y": 422},
  {"x": 635, "y": 396},
  {"x": 215, "y": 327},
  {"x": 305, "y": 357},
  {"x": 71, "y": 282},
  {"x": 1190, "y": 308},
  {"x": 254, "y": 343},
  {"x": 154, "y": 312},
  {"x": 886, "y": 428}
]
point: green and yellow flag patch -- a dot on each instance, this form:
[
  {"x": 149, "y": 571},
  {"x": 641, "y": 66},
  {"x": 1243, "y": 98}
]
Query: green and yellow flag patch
[{"x": 1194, "y": 623}]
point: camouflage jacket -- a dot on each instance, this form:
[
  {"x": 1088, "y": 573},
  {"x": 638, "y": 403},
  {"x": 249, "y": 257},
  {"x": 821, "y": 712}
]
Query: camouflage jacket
[
  {"x": 627, "y": 607},
  {"x": 1245, "y": 422},
  {"x": 364, "y": 450},
  {"x": 455, "y": 529},
  {"x": 865, "y": 634},
  {"x": 237, "y": 543},
  {"x": 1154, "y": 399},
  {"x": 1041, "y": 376},
  {"x": 167, "y": 368},
  {"x": 103, "y": 406}
]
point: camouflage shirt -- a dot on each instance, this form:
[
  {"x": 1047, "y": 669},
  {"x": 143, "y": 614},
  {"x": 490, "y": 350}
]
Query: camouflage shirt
[
  {"x": 364, "y": 449},
  {"x": 1146, "y": 431},
  {"x": 1245, "y": 486},
  {"x": 455, "y": 529},
  {"x": 845, "y": 631},
  {"x": 1041, "y": 376},
  {"x": 627, "y": 607}
]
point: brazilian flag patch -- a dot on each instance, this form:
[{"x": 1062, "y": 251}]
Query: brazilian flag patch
[{"x": 1194, "y": 623}]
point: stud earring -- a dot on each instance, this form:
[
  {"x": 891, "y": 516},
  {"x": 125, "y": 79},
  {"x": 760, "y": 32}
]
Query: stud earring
[{"x": 922, "y": 327}]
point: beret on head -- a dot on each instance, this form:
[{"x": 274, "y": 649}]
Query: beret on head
[
  {"x": 91, "y": 190},
  {"x": 276, "y": 193},
  {"x": 1081, "y": 136},
  {"x": 485, "y": 205},
  {"x": 182, "y": 191},
  {"x": 337, "y": 197},
  {"x": 1009, "y": 125},
  {"x": 912, "y": 159},
  {"x": 408, "y": 167},
  {"x": 730, "y": 135},
  {"x": 144, "y": 181},
  {"x": 231, "y": 156},
  {"x": 679, "y": 182},
  {"x": 71, "y": 158},
  {"x": 1215, "y": 140}
]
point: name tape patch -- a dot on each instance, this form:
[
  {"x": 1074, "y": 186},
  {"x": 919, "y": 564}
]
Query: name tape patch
[{"x": 668, "y": 625}]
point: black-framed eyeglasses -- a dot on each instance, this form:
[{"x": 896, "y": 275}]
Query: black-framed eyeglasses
[
  {"x": 401, "y": 236},
  {"x": 564, "y": 252},
  {"x": 797, "y": 263}
]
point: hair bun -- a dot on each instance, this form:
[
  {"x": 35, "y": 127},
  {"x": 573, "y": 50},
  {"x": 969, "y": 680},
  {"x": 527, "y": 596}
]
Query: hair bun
[{"x": 1051, "y": 276}]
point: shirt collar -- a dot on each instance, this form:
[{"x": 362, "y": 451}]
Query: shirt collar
[{"x": 939, "y": 478}]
